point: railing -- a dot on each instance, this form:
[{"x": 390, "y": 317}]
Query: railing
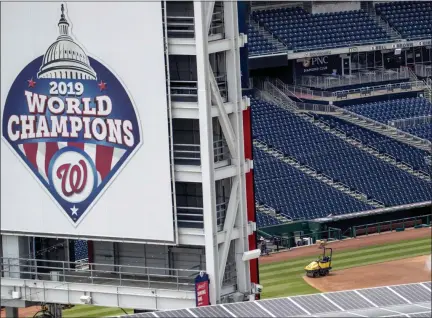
[
  {"x": 423, "y": 70},
  {"x": 188, "y": 90},
  {"x": 379, "y": 227},
  {"x": 98, "y": 273},
  {"x": 181, "y": 26},
  {"x": 366, "y": 77},
  {"x": 307, "y": 93},
  {"x": 283, "y": 242},
  {"x": 344, "y": 44},
  {"x": 194, "y": 216},
  {"x": 184, "y": 26},
  {"x": 413, "y": 121},
  {"x": 280, "y": 47},
  {"x": 191, "y": 153}
]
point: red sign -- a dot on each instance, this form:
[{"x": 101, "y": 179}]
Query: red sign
[{"x": 202, "y": 293}]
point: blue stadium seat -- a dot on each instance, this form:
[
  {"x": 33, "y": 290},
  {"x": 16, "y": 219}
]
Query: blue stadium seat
[
  {"x": 385, "y": 111},
  {"x": 299, "y": 29},
  {"x": 411, "y": 22},
  {"x": 301, "y": 197},
  {"x": 258, "y": 45}
]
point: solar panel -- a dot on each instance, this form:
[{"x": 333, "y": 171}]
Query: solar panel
[
  {"x": 174, "y": 313},
  {"x": 349, "y": 300},
  {"x": 315, "y": 304},
  {"x": 382, "y": 296},
  {"x": 413, "y": 292},
  {"x": 210, "y": 311},
  {"x": 374, "y": 312},
  {"x": 337, "y": 314},
  {"x": 247, "y": 310},
  {"x": 424, "y": 314},
  {"x": 282, "y": 307}
]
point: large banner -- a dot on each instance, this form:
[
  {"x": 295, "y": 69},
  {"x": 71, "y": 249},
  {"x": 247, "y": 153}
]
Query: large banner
[{"x": 85, "y": 143}]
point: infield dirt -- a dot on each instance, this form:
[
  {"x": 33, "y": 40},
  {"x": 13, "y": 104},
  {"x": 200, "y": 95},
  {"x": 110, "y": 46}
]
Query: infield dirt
[{"x": 404, "y": 271}]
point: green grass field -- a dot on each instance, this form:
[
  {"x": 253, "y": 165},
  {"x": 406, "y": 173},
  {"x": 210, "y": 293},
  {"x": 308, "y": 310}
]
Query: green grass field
[{"x": 286, "y": 278}]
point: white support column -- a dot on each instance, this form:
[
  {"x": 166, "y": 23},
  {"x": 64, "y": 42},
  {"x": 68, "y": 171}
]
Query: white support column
[
  {"x": 235, "y": 97},
  {"x": 14, "y": 247},
  {"x": 207, "y": 156}
]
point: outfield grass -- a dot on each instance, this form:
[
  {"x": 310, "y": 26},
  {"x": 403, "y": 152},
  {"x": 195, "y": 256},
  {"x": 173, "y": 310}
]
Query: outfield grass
[
  {"x": 93, "y": 311},
  {"x": 286, "y": 278}
]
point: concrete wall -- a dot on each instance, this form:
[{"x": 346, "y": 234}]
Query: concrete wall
[{"x": 335, "y": 6}]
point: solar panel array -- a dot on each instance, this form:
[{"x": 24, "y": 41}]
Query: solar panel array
[{"x": 408, "y": 300}]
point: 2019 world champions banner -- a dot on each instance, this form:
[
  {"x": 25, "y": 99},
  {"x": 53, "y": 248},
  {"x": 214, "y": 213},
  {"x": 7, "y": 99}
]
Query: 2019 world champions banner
[
  {"x": 71, "y": 121},
  {"x": 85, "y": 121}
]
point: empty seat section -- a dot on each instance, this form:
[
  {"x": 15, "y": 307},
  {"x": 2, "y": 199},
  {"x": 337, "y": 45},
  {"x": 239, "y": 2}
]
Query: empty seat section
[
  {"x": 295, "y": 194},
  {"x": 423, "y": 130},
  {"x": 258, "y": 44},
  {"x": 264, "y": 219},
  {"x": 336, "y": 158},
  {"x": 385, "y": 111},
  {"x": 402, "y": 152},
  {"x": 300, "y": 30},
  {"x": 412, "y": 19}
]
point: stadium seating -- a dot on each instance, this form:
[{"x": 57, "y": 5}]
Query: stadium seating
[
  {"x": 385, "y": 111},
  {"x": 299, "y": 29},
  {"x": 264, "y": 219},
  {"x": 400, "y": 151},
  {"x": 421, "y": 130},
  {"x": 412, "y": 19},
  {"x": 295, "y": 194},
  {"x": 258, "y": 44},
  {"x": 334, "y": 157}
]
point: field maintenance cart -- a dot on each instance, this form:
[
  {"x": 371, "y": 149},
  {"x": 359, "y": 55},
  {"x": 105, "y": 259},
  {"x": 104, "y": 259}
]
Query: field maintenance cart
[{"x": 322, "y": 266}]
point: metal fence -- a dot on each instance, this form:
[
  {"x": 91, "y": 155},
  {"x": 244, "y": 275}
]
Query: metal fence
[
  {"x": 184, "y": 26},
  {"x": 191, "y": 153},
  {"x": 98, "y": 273},
  {"x": 184, "y": 91},
  {"x": 194, "y": 216},
  {"x": 362, "y": 77},
  {"x": 283, "y": 242},
  {"x": 307, "y": 93}
]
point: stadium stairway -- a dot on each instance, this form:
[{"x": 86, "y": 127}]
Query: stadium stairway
[
  {"x": 314, "y": 174},
  {"x": 265, "y": 209},
  {"x": 370, "y": 150},
  {"x": 276, "y": 44},
  {"x": 276, "y": 93}
]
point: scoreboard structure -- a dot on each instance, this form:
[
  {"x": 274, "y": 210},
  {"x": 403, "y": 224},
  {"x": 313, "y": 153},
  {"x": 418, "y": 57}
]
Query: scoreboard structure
[{"x": 129, "y": 132}]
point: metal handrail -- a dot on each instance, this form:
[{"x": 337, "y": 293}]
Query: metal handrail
[
  {"x": 97, "y": 273},
  {"x": 189, "y": 88},
  {"x": 404, "y": 122},
  {"x": 367, "y": 77},
  {"x": 192, "y": 151}
]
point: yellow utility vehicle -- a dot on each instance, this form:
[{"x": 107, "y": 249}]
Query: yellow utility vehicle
[{"x": 322, "y": 266}]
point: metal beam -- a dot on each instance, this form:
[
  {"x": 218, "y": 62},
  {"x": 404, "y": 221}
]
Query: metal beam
[
  {"x": 235, "y": 96},
  {"x": 209, "y": 13},
  {"x": 206, "y": 150},
  {"x": 224, "y": 120},
  {"x": 230, "y": 218}
]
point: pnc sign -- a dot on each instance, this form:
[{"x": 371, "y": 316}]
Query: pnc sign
[{"x": 72, "y": 122}]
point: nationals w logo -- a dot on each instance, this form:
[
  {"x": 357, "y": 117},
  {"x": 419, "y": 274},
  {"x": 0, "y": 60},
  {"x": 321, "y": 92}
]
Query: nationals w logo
[{"x": 72, "y": 122}]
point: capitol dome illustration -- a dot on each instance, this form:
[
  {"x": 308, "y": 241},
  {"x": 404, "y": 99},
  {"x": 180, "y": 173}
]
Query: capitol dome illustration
[{"x": 65, "y": 59}]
